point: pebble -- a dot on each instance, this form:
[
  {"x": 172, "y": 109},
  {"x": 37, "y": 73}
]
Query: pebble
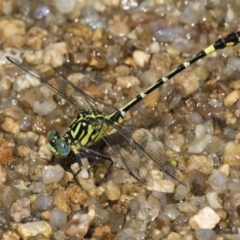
[
  {"x": 34, "y": 57},
  {"x": 186, "y": 207},
  {"x": 218, "y": 181},
  {"x": 202, "y": 163},
  {"x": 20, "y": 209},
  {"x": 141, "y": 58},
  {"x": 231, "y": 153},
  {"x": 54, "y": 54},
  {"x": 58, "y": 218},
  {"x": 44, "y": 106},
  {"x": 44, "y": 201},
  {"x": 186, "y": 82},
  {"x": 145, "y": 209},
  {"x": 65, "y": 6},
  {"x": 205, "y": 219},
  {"x": 12, "y": 27},
  {"x": 61, "y": 201},
  {"x": 214, "y": 201},
  {"x": 112, "y": 191},
  {"x": 118, "y": 29},
  {"x": 79, "y": 224},
  {"x": 52, "y": 174},
  {"x": 3, "y": 173},
  {"x": 31, "y": 229},
  {"x": 175, "y": 141},
  {"x": 10, "y": 235},
  {"x": 76, "y": 194},
  {"x": 127, "y": 82},
  {"x": 231, "y": 98},
  {"x": 35, "y": 37},
  {"x": 6, "y": 156}
]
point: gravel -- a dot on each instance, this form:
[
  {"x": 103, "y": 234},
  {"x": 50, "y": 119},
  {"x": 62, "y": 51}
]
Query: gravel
[{"x": 113, "y": 50}]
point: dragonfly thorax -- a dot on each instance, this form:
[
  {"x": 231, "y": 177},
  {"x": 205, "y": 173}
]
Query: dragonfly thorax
[{"x": 58, "y": 145}]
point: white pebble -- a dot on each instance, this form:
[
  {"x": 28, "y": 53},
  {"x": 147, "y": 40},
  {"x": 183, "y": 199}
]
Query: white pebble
[
  {"x": 65, "y": 6},
  {"x": 197, "y": 146},
  {"x": 44, "y": 106},
  {"x": 52, "y": 174},
  {"x": 54, "y": 54},
  {"x": 205, "y": 219},
  {"x": 141, "y": 58}
]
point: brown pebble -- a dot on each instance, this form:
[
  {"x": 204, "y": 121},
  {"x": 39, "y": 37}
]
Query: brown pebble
[
  {"x": 6, "y": 152},
  {"x": 61, "y": 201},
  {"x": 76, "y": 194}
]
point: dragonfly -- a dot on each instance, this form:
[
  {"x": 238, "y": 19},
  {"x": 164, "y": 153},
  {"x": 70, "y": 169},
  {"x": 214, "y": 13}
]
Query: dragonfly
[{"x": 96, "y": 120}]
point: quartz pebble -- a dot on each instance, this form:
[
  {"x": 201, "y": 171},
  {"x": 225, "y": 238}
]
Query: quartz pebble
[
  {"x": 52, "y": 174},
  {"x": 140, "y": 57},
  {"x": 31, "y": 229},
  {"x": 231, "y": 153},
  {"x": 79, "y": 224},
  {"x": 20, "y": 209},
  {"x": 205, "y": 219}
]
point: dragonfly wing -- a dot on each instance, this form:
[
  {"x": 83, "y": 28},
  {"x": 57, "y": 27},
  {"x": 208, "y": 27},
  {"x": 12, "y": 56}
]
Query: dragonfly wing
[
  {"x": 54, "y": 80},
  {"x": 136, "y": 147}
]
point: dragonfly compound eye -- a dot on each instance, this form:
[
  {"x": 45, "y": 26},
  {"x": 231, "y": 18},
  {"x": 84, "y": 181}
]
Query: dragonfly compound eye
[{"x": 62, "y": 147}]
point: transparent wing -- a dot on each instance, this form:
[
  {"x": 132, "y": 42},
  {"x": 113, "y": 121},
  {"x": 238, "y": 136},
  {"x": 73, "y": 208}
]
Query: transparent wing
[
  {"x": 139, "y": 151},
  {"x": 81, "y": 101}
]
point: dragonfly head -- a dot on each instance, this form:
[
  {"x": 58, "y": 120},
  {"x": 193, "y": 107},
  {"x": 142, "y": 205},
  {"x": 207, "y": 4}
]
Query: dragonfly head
[{"x": 57, "y": 145}]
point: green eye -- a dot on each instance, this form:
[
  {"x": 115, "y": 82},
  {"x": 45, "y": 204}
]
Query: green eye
[
  {"x": 62, "y": 148},
  {"x": 52, "y": 135}
]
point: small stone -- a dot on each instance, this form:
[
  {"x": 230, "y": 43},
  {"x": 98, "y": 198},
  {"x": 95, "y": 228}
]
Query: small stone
[
  {"x": 79, "y": 224},
  {"x": 186, "y": 207},
  {"x": 52, "y": 174},
  {"x": 76, "y": 194},
  {"x": 174, "y": 236},
  {"x": 200, "y": 162},
  {"x": 12, "y": 27},
  {"x": 65, "y": 6},
  {"x": 140, "y": 57},
  {"x": 156, "y": 183},
  {"x": 225, "y": 169},
  {"x": 61, "y": 201},
  {"x": 44, "y": 106},
  {"x": 119, "y": 29},
  {"x": 213, "y": 200},
  {"x": 6, "y": 156},
  {"x": 231, "y": 153},
  {"x": 205, "y": 219},
  {"x": 58, "y": 218},
  {"x": 3, "y": 173},
  {"x": 126, "y": 82},
  {"x": 101, "y": 231},
  {"x": 112, "y": 191},
  {"x": 34, "y": 57},
  {"x": 9, "y": 235},
  {"x": 231, "y": 98},
  {"x": 54, "y": 54},
  {"x": 23, "y": 151},
  {"x": 218, "y": 181},
  {"x": 35, "y": 38},
  {"x": 186, "y": 82},
  {"x": 20, "y": 209},
  {"x": 27, "y": 230},
  {"x": 10, "y": 125}
]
